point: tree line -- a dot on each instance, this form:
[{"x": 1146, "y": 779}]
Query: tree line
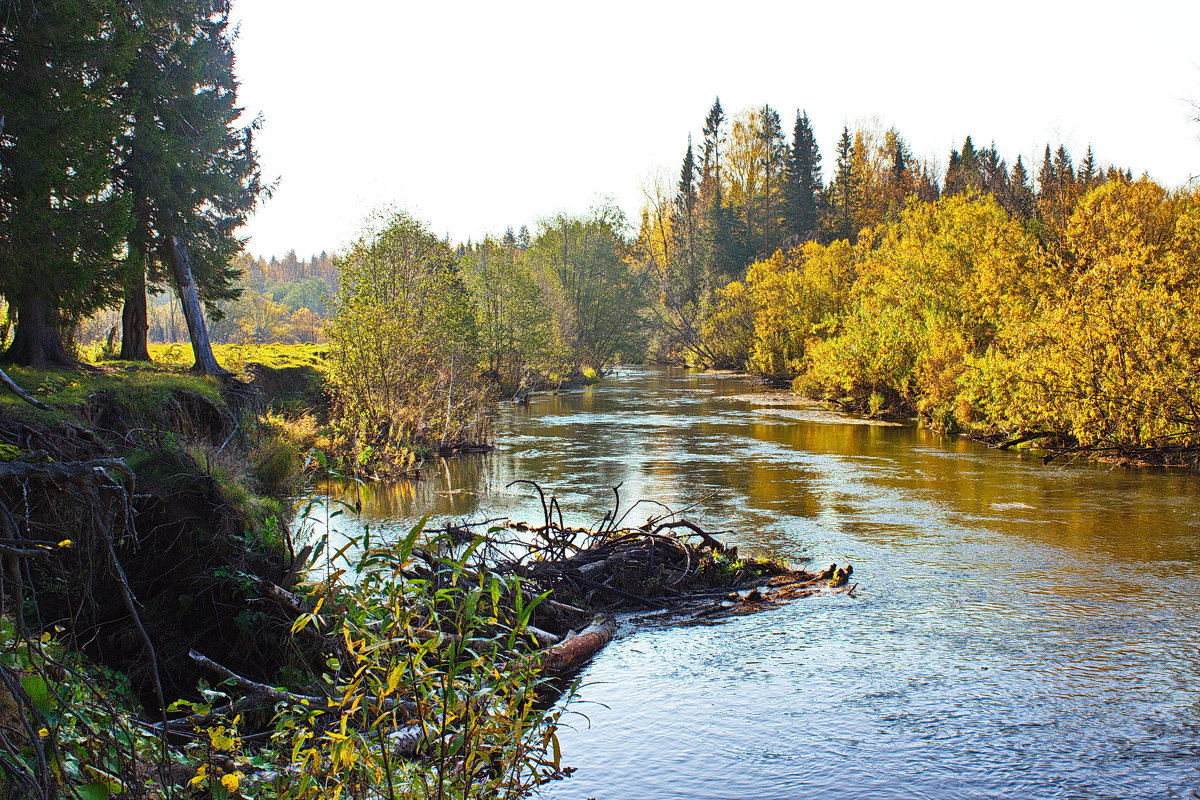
[
  {"x": 1057, "y": 305},
  {"x": 124, "y": 167},
  {"x": 748, "y": 190}
]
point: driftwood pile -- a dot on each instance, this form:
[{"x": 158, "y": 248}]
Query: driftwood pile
[{"x": 668, "y": 565}]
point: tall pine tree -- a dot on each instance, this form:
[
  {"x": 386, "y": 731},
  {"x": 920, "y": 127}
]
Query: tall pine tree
[
  {"x": 710, "y": 151},
  {"x": 964, "y": 172},
  {"x": 766, "y": 228},
  {"x": 1017, "y": 198},
  {"x": 684, "y": 231}
]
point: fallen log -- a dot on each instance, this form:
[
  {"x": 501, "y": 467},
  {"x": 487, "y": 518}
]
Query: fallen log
[{"x": 574, "y": 651}]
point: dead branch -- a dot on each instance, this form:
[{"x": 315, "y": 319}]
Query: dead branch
[{"x": 21, "y": 393}]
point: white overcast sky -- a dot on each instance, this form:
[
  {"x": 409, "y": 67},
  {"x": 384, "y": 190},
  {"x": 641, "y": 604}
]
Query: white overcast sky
[{"x": 475, "y": 116}]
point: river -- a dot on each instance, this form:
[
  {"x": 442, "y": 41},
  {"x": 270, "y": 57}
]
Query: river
[{"x": 1019, "y": 631}]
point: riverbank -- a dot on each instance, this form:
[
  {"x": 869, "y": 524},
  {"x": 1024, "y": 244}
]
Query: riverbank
[{"x": 147, "y": 534}]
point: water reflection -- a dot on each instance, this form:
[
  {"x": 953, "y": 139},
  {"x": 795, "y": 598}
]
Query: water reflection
[{"x": 1022, "y": 632}]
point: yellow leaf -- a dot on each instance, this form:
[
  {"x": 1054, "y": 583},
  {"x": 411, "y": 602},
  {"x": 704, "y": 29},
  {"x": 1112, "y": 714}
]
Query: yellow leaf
[{"x": 230, "y": 782}]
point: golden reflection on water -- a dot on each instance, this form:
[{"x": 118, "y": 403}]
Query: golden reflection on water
[{"x": 677, "y": 438}]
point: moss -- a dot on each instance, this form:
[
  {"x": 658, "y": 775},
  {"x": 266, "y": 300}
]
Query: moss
[{"x": 142, "y": 391}]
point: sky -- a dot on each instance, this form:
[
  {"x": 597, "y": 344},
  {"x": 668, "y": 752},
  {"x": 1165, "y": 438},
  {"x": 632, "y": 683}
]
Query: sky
[{"x": 477, "y": 116}]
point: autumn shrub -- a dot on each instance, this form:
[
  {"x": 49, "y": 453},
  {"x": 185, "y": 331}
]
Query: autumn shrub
[
  {"x": 436, "y": 695},
  {"x": 403, "y": 356},
  {"x": 1108, "y": 351},
  {"x": 931, "y": 292}
]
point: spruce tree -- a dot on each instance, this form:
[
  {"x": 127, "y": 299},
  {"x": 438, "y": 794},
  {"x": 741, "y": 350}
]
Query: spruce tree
[
  {"x": 965, "y": 171},
  {"x": 683, "y": 226},
  {"x": 190, "y": 170},
  {"x": 900, "y": 181},
  {"x": 899, "y": 163},
  {"x": 710, "y": 151},
  {"x": 725, "y": 249},
  {"x": 842, "y": 200},
  {"x": 1047, "y": 177},
  {"x": 61, "y": 225},
  {"x": 1089, "y": 172},
  {"x": 993, "y": 170},
  {"x": 804, "y": 180},
  {"x": 766, "y": 232},
  {"x": 1018, "y": 196},
  {"x": 1063, "y": 168}
]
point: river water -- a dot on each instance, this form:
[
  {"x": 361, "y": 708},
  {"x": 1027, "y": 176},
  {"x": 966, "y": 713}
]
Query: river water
[{"x": 1019, "y": 631}]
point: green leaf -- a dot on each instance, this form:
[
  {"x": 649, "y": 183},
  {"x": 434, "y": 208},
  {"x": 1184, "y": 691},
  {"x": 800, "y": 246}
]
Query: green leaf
[
  {"x": 406, "y": 547},
  {"x": 93, "y": 791},
  {"x": 39, "y": 692}
]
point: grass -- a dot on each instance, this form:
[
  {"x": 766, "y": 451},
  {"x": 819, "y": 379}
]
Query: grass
[{"x": 236, "y": 357}]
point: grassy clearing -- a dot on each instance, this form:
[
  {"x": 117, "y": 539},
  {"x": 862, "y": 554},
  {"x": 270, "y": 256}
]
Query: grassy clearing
[{"x": 236, "y": 357}]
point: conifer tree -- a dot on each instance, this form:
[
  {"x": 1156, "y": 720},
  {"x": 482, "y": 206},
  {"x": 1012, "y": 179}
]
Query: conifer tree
[
  {"x": 190, "y": 170},
  {"x": 1063, "y": 168},
  {"x": 899, "y": 163},
  {"x": 61, "y": 225},
  {"x": 804, "y": 180},
  {"x": 1017, "y": 198},
  {"x": 684, "y": 230},
  {"x": 1089, "y": 172},
  {"x": 965, "y": 171},
  {"x": 993, "y": 170},
  {"x": 768, "y": 230},
  {"x": 1047, "y": 178},
  {"x": 842, "y": 200},
  {"x": 710, "y": 151},
  {"x": 725, "y": 252}
]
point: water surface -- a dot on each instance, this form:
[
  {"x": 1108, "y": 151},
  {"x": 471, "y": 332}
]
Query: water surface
[{"x": 1020, "y": 631}]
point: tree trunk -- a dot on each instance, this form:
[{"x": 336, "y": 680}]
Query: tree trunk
[
  {"x": 37, "y": 341},
  {"x": 135, "y": 322},
  {"x": 574, "y": 651},
  {"x": 181, "y": 266}
]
